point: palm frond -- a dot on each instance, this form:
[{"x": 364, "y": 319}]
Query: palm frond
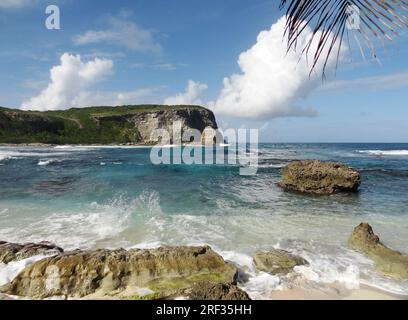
[{"x": 330, "y": 23}]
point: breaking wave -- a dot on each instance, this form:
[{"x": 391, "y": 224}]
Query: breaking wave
[{"x": 385, "y": 152}]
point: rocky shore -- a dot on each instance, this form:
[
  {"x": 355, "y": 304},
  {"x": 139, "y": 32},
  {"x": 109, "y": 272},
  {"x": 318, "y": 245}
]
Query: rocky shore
[
  {"x": 160, "y": 273},
  {"x": 389, "y": 262},
  {"x": 195, "y": 273}
]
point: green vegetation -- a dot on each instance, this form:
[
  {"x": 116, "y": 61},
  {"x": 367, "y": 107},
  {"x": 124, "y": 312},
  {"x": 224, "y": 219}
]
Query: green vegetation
[
  {"x": 76, "y": 125},
  {"x": 152, "y": 296}
]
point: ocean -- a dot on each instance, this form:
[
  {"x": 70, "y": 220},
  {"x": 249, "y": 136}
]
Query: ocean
[{"x": 110, "y": 197}]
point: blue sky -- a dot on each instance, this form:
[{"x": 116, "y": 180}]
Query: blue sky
[{"x": 148, "y": 51}]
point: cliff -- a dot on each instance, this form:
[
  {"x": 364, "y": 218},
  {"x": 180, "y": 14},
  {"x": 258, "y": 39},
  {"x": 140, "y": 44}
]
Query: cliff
[{"x": 99, "y": 125}]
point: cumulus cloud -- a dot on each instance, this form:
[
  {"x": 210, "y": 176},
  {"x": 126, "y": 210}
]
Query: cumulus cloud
[
  {"x": 112, "y": 98},
  {"x": 12, "y": 4},
  {"x": 389, "y": 81},
  {"x": 68, "y": 81},
  {"x": 190, "y": 96},
  {"x": 272, "y": 81},
  {"x": 121, "y": 32},
  {"x": 70, "y": 86}
]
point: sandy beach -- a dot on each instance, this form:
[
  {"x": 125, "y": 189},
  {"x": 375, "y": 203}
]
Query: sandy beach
[{"x": 337, "y": 292}]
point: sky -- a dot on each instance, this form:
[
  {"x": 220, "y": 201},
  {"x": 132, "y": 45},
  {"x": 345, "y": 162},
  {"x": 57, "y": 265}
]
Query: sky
[{"x": 229, "y": 56}]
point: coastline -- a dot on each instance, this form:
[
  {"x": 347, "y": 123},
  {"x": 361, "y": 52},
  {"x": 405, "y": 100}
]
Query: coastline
[
  {"x": 333, "y": 292},
  {"x": 46, "y": 145},
  {"x": 336, "y": 292},
  {"x": 107, "y": 223}
]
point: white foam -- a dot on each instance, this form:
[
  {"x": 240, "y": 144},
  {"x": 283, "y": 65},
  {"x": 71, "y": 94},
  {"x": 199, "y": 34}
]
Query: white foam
[
  {"x": 95, "y": 224},
  {"x": 47, "y": 162},
  {"x": 4, "y": 155},
  {"x": 147, "y": 245},
  {"x": 9, "y": 271},
  {"x": 17, "y": 154},
  {"x": 261, "y": 286},
  {"x": 71, "y": 230},
  {"x": 3, "y": 212},
  {"x": 385, "y": 152}
]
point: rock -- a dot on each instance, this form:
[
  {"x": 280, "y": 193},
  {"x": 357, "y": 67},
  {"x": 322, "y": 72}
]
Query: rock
[
  {"x": 190, "y": 118},
  {"x": 163, "y": 271},
  {"x": 388, "y": 261},
  {"x": 13, "y": 251},
  {"x": 4, "y": 297},
  {"x": 104, "y": 125},
  {"x": 277, "y": 261},
  {"x": 205, "y": 290},
  {"x": 317, "y": 177}
]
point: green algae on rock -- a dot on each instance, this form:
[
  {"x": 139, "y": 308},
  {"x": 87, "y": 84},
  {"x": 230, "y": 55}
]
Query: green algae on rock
[
  {"x": 277, "y": 261},
  {"x": 165, "y": 271},
  {"x": 320, "y": 178},
  {"x": 206, "y": 290},
  {"x": 388, "y": 261}
]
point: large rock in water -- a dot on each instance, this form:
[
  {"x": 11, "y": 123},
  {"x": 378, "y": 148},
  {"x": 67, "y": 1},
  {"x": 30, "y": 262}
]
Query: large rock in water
[
  {"x": 317, "y": 177},
  {"x": 388, "y": 261},
  {"x": 14, "y": 251},
  {"x": 163, "y": 272},
  {"x": 277, "y": 261}
]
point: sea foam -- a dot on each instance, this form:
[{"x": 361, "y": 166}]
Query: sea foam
[{"x": 385, "y": 152}]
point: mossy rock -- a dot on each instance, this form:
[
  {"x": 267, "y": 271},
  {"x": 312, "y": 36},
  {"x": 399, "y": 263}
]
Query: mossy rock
[
  {"x": 388, "y": 261},
  {"x": 207, "y": 290},
  {"x": 14, "y": 251},
  {"x": 277, "y": 261},
  {"x": 166, "y": 271},
  {"x": 319, "y": 178}
]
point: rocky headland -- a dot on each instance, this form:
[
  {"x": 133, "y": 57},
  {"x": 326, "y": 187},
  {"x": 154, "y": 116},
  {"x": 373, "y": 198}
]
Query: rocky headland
[{"x": 101, "y": 125}]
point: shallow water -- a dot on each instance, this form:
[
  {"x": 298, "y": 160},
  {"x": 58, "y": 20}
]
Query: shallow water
[{"x": 88, "y": 197}]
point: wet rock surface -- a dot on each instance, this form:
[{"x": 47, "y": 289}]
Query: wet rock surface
[
  {"x": 13, "y": 251},
  {"x": 277, "y": 261},
  {"x": 388, "y": 261},
  {"x": 320, "y": 178},
  {"x": 206, "y": 290},
  {"x": 165, "y": 271}
]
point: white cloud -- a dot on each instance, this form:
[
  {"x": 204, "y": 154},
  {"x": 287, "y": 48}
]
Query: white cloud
[
  {"x": 68, "y": 81},
  {"x": 12, "y": 4},
  {"x": 70, "y": 85},
  {"x": 111, "y": 98},
  {"x": 191, "y": 96},
  {"x": 123, "y": 33},
  {"x": 382, "y": 82},
  {"x": 272, "y": 80},
  {"x": 161, "y": 66}
]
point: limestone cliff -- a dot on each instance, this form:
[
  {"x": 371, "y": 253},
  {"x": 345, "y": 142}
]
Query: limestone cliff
[{"x": 100, "y": 125}]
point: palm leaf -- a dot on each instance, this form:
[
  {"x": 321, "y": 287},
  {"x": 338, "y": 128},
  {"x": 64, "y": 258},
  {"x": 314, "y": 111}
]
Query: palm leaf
[{"x": 379, "y": 20}]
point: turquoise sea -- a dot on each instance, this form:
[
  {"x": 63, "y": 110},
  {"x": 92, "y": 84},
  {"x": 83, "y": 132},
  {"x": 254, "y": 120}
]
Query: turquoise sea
[{"x": 93, "y": 197}]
